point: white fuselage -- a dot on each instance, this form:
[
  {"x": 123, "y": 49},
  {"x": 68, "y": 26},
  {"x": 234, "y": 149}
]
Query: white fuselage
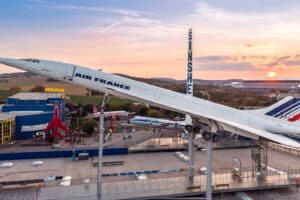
[
  {"x": 224, "y": 117},
  {"x": 157, "y": 123},
  {"x": 118, "y": 113}
]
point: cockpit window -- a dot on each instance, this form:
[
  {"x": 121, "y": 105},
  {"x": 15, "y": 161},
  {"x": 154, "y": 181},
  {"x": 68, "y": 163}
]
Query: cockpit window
[{"x": 31, "y": 60}]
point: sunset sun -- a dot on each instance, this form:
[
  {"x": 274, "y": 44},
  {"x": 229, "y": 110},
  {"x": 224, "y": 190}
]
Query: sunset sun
[{"x": 272, "y": 74}]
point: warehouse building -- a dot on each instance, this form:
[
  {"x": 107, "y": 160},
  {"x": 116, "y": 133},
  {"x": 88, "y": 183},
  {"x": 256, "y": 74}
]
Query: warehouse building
[{"x": 32, "y": 111}]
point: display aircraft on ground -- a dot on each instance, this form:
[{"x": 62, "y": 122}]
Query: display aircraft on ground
[
  {"x": 159, "y": 123},
  {"x": 118, "y": 113}
]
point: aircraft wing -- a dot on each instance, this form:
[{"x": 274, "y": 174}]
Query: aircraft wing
[
  {"x": 62, "y": 126},
  {"x": 197, "y": 110},
  {"x": 249, "y": 131},
  {"x": 49, "y": 126}
]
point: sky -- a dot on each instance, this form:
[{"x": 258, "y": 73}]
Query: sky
[{"x": 250, "y": 39}]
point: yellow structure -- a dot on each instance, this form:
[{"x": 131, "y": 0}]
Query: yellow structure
[
  {"x": 55, "y": 90},
  {"x": 7, "y": 128}
]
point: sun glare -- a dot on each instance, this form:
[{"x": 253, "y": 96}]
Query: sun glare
[{"x": 272, "y": 74}]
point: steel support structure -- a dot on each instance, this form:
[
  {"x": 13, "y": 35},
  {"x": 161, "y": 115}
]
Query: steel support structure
[
  {"x": 209, "y": 148},
  {"x": 100, "y": 150},
  {"x": 191, "y": 152}
]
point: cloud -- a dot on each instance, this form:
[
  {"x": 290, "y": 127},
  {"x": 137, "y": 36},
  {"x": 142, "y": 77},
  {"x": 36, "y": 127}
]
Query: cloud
[
  {"x": 245, "y": 62},
  {"x": 225, "y": 67},
  {"x": 293, "y": 63},
  {"x": 211, "y": 58},
  {"x": 129, "y": 22},
  {"x": 258, "y": 24},
  {"x": 224, "y": 40},
  {"x": 118, "y": 11},
  {"x": 278, "y": 61},
  {"x": 230, "y": 59},
  {"x": 249, "y": 45}
]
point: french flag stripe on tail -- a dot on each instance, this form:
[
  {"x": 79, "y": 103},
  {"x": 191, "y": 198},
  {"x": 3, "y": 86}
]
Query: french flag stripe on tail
[
  {"x": 294, "y": 118},
  {"x": 289, "y": 110},
  {"x": 292, "y": 112}
]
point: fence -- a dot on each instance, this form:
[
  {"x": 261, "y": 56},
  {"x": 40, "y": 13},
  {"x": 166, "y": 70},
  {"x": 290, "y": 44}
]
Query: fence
[
  {"x": 286, "y": 149},
  {"x": 171, "y": 184}
]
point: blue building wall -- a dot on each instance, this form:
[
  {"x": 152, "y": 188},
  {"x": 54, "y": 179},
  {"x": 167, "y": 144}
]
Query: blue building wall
[
  {"x": 30, "y": 120},
  {"x": 45, "y": 105},
  {"x": 28, "y": 107},
  {"x": 61, "y": 153}
]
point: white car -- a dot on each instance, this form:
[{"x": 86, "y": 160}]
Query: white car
[
  {"x": 6, "y": 165},
  {"x": 141, "y": 177},
  {"x": 202, "y": 170},
  {"x": 37, "y": 163},
  {"x": 66, "y": 181}
]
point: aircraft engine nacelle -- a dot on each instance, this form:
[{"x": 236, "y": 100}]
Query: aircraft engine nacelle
[
  {"x": 193, "y": 129},
  {"x": 189, "y": 128},
  {"x": 197, "y": 129}
]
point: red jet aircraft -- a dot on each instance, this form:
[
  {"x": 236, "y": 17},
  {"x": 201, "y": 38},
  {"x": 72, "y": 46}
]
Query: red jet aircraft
[{"x": 55, "y": 124}]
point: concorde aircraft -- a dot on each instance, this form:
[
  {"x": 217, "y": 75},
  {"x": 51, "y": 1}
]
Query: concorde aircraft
[{"x": 255, "y": 125}]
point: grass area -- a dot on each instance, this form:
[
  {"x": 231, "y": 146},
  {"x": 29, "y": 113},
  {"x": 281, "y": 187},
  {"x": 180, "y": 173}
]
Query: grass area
[
  {"x": 76, "y": 93},
  {"x": 26, "y": 85},
  {"x": 76, "y": 99}
]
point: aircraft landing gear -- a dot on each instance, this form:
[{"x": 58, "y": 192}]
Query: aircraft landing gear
[
  {"x": 208, "y": 136},
  {"x": 216, "y": 137}
]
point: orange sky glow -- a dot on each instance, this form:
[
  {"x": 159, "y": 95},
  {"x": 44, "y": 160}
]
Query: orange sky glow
[{"x": 226, "y": 45}]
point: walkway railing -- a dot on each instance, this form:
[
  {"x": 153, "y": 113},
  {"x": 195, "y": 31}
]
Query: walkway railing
[
  {"x": 177, "y": 184},
  {"x": 283, "y": 148}
]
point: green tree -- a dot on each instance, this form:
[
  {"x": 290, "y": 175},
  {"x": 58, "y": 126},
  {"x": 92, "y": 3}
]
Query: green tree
[
  {"x": 87, "y": 125},
  {"x": 139, "y": 109},
  {"x": 87, "y": 108},
  {"x": 251, "y": 101},
  {"x": 154, "y": 113},
  {"x": 38, "y": 88}
]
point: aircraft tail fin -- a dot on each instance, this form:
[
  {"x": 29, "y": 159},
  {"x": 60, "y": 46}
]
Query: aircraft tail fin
[{"x": 287, "y": 109}]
